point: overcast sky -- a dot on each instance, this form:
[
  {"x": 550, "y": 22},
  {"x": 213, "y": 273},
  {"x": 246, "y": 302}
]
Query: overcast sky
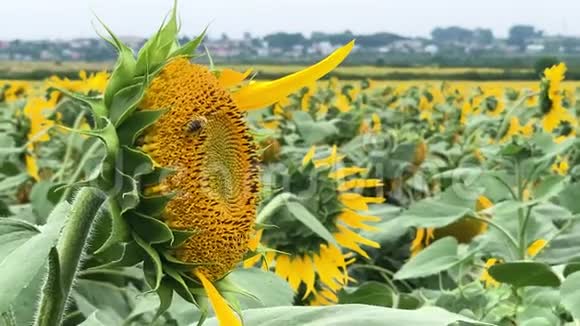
[{"x": 37, "y": 19}]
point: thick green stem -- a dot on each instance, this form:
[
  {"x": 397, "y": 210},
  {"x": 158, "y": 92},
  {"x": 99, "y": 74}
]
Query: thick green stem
[{"x": 70, "y": 248}]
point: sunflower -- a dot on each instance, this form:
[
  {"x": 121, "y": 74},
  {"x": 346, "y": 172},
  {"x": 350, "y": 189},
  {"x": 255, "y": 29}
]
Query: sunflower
[
  {"x": 14, "y": 90},
  {"x": 315, "y": 268},
  {"x": 87, "y": 83},
  {"x": 464, "y": 229},
  {"x": 515, "y": 128},
  {"x": 203, "y": 137},
  {"x": 37, "y": 110},
  {"x": 553, "y": 111}
]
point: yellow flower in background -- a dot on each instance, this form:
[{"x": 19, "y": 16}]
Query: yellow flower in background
[
  {"x": 95, "y": 82},
  {"x": 515, "y": 128},
  {"x": 14, "y": 90},
  {"x": 561, "y": 167},
  {"x": 342, "y": 103},
  {"x": 314, "y": 268},
  {"x": 466, "y": 111},
  {"x": 487, "y": 279},
  {"x": 536, "y": 246},
  {"x": 37, "y": 110},
  {"x": 553, "y": 111}
]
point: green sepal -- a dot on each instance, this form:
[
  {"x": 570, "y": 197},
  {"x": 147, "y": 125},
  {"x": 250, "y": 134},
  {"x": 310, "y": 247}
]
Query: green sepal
[
  {"x": 107, "y": 134},
  {"x": 120, "y": 255},
  {"x": 154, "y": 205},
  {"x": 152, "y": 267},
  {"x": 135, "y": 163},
  {"x": 155, "y": 51},
  {"x": 263, "y": 226},
  {"x": 131, "y": 128},
  {"x": 179, "y": 284},
  {"x": 156, "y": 177},
  {"x": 165, "y": 294},
  {"x": 150, "y": 229},
  {"x": 119, "y": 230},
  {"x": 124, "y": 67},
  {"x": 127, "y": 196},
  {"x": 188, "y": 49},
  {"x": 226, "y": 286},
  {"x": 179, "y": 264},
  {"x": 180, "y": 236},
  {"x": 126, "y": 101},
  {"x": 95, "y": 104}
]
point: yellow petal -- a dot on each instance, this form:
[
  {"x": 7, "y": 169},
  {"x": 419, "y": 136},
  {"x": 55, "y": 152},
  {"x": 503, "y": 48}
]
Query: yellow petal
[
  {"x": 259, "y": 95},
  {"x": 32, "y": 167},
  {"x": 358, "y": 202},
  {"x": 294, "y": 272},
  {"x": 485, "y": 277},
  {"x": 308, "y": 275},
  {"x": 283, "y": 266},
  {"x": 359, "y": 183},
  {"x": 229, "y": 77},
  {"x": 355, "y": 220},
  {"x": 536, "y": 247},
  {"x": 308, "y": 157},
  {"x": 351, "y": 240},
  {"x": 346, "y": 172},
  {"x": 376, "y": 123},
  {"x": 223, "y": 312}
]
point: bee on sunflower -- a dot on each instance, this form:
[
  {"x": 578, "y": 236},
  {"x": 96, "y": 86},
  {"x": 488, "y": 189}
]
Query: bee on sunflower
[
  {"x": 180, "y": 172},
  {"x": 313, "y": 255}
]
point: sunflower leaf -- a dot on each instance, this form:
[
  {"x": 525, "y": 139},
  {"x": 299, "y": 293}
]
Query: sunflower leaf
[
  {"x": 149, "y": 228},
  {"x": 439, "y": 256},
  {"x": 131, "y": 128},
  {"x": 303, "y": 215}
]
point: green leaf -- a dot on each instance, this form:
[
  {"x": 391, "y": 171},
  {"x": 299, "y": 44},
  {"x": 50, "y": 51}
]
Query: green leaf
[
  {"x": 303, "y": 215},
  {"x": 347, "y": 315},
  {"x": 154, "y": 205},
  {"x": 570, "y": 293},
  {"x": 135, "y": 162},
  {"x": 13, "y": 182},
  {"x": 524, "y": 273},
  {"x": 569, "y": 198},
  {"x": 571, "y": 268},
  {"x": 453, "y": 204},
  {"x": 19, "y": 240},
  {"x": 549, "y": 188},
  {"x": 371, "y": 293},
  {"x": 439, "y": 256},
  {"x": 267, "y": 287},
  {"x": 113, "y": 225},
  {"x": 154, "y": 275}
]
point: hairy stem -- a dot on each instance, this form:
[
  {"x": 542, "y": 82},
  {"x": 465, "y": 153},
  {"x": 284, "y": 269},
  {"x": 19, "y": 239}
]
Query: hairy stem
[{"x": 63, "y": 267}]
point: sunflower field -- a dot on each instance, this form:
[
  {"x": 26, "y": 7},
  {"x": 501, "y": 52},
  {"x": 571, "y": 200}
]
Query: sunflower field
[{"x": 166, "y": 192}]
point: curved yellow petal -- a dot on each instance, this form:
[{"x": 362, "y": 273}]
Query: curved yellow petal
[
  {"x": 283, "y": 266},
  {"x": 308, "y": 275},
  {"x": 355, "y": 220},
  {"x": 346, "y": 172},
  {"x": 309, "y": 155},
  {"x": 294, "y": 273},
  {"x": 356, "y": 201},
  {"x": 536, "y": 247},
  {"x": 261, "y": 94},
  {"x": 223, "y": 312},
  {"x": 359, "y": 183},
  {"x": 230, "y": 77}
]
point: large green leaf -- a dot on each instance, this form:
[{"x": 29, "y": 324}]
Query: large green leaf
[
  {"x": 303, "y": 215},
  {"x": 439, "y": 256},
  {"x": 268, "y": 288},
  {"x": 347, "y": 315},
  {"x": 451, "y": 205},
  {"x": 570, "y": 293},
  {"x": 24, "y": 250},
  {"x": 371, "y": 293},
  {"x": 524, "y": 273}
]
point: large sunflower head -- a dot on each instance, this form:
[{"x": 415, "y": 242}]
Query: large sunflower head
[
  {"x": 180, "y": 167},
  {"x": 313, "y": 254}
]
